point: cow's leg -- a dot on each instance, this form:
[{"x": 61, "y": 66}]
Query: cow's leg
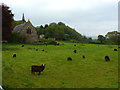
[{"x": 39, "y": 73}]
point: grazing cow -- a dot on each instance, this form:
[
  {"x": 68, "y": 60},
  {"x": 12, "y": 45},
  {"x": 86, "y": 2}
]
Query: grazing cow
[
  {"x": 115, "y": 49},
  {"x": 43, "y": 50},
  {"x": 36, "y": 49},
  {"x": 36, "y": 68},
  {"x": 69, "y": 59},
  {"x": 75, "y": 45},
  {"x": 14, "y": 55},
  {"x": 107, "y": 58},
  {"x": 22, "y": 46},
  {"x": 83, "y": 56},
  {"x": 75, "y": 51}
]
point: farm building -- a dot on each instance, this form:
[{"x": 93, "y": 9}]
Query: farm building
[{"x": 26, "y": 29}]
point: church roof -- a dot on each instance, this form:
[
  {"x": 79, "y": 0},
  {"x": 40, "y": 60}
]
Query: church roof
[{"x": 18, "y": 28}]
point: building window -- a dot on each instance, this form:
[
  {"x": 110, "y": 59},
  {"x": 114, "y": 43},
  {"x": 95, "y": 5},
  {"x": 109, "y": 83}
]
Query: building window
[{"x": 28, "y": 30}]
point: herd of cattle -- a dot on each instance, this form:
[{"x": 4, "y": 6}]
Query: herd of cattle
[{"x": 36, "y": 68}]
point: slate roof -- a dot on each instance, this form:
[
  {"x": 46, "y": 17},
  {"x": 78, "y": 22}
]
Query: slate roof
[{"x": 18, "y": 28}]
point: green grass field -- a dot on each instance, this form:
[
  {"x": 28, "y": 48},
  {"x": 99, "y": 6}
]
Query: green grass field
[{"x": 91, "y": 72}]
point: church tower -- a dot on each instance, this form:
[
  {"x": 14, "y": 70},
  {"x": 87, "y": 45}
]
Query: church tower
[{"x": 23, "y": 19}]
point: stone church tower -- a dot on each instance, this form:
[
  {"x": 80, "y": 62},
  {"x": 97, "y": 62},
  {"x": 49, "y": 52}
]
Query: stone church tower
[
  {"x": 23, "y": 19},
  {"x": 28, "y": 30}
]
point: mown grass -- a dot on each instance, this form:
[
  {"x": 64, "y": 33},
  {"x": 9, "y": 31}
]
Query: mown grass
[{"x": 91, "y": 72}]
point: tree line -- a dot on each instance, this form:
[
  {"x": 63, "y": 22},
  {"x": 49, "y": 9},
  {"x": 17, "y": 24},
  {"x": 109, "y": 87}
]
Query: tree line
[
  {"x": 110, "y": 38},
  {"x": 61, "y": 32}
]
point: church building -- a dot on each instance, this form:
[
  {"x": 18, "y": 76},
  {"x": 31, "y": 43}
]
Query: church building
[{"x": 28, "y": 30}]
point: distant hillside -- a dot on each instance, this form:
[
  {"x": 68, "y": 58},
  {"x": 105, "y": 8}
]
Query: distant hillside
[{"x": 59, "y": 31}]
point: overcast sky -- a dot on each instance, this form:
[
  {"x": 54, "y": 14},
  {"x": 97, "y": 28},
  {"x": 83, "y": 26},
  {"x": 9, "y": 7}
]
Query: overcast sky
[{"x": 88, "y": 17}]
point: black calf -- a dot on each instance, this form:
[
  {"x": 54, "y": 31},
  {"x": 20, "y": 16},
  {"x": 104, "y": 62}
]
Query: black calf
[
  {"x": 43, "y": 50},
  {"x": 115, "y": 49},
  {"x": 22, "y": 46},
  {"x": 69, "y": 59},
  {"x": 14, "y": 55},
  {"x": 107, "y": 58},
  {"x": 75, "y": 51},
  {"x": 83, "y": 56},
  {"x": 36, "y": 49}
]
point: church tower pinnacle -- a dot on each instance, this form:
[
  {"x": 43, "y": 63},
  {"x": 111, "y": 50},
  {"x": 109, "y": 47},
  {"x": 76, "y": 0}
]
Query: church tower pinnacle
[{"x": 23, "y": 18}]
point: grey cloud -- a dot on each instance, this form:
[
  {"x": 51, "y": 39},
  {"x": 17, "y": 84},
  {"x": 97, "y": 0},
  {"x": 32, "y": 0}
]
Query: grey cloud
[{"x": 99, "y": 19}]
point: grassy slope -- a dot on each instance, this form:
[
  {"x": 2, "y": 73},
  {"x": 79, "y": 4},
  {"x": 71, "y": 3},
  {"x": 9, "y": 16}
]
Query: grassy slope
[{"x": 59, "y": 73}]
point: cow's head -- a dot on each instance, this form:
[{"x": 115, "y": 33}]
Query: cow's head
[{"x": 43, "y": 65}]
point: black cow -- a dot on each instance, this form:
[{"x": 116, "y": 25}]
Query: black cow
[
  {"x": 83, "y": 56},
  {"x": 36, "y": 68},
  {"x": 36, "y": 49},
  {"x": 75, "y": 51},
  {"x": 43, "y": 50},
  {"x": 22, "y": 46},
  {"x": 107, "y": 58},
  {"x": 14, "y": 55},
  {"x": 69, "y": 59},
  {"x": 115, "y": 49}
]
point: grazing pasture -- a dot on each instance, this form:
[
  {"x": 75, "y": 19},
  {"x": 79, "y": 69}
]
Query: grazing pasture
[{"x": 93, "y": 72}]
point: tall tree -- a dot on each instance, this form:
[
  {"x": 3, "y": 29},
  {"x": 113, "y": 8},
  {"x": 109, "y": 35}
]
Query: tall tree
[
  {"x": 113, "y": 37},
  {"x": 7, "y": 19},
  {"x": 101, "y": 38}
]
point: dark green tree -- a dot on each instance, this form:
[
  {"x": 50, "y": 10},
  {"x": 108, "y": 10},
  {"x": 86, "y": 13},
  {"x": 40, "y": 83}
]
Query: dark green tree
[
  {"x": 46, "y": 25},
  {"x": 113, "y": 37},
  {"x": 41, "y": 27},
  {"x": 7, "y": 19},
  {"x": 101, "y": 38}
]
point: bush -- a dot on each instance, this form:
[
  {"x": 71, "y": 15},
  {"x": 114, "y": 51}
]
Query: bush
[
  {"x": 50, "y": 42},
  {"x": 17, "y": 38}
]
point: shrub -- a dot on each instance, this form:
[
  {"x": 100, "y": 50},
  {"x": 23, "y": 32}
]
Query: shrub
[
  {"x": 17, "y": 38},
  {"x": 50, "y": 42}
]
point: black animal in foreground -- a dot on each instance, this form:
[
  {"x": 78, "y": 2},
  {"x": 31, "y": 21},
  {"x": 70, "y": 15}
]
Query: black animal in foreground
[
  {"x": 83, "y": 56},
  {"x": 75, "y": 51},
  {"x": 36, "y": 68},
  {"x": 22, "y": 46},
  {"x": 69, "y": 59},
  {"x": 107, "y": 58},
  {"x": 115, "y": 49},
  {"x": 14, "y": 55}
]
